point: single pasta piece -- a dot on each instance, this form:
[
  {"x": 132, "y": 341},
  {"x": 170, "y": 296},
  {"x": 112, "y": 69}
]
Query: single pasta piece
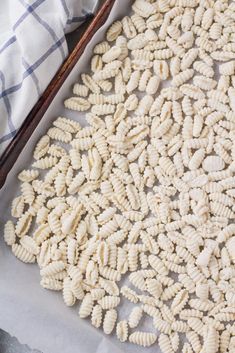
[{"x": 145, "y": 339}]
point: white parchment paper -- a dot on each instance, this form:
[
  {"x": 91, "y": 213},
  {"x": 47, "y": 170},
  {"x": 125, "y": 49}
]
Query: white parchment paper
[{"x": 36, "y": 316}]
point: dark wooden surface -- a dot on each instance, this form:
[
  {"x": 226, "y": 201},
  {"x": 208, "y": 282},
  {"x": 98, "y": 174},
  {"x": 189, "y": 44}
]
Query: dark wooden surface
[{"x": 9, "y": 344}]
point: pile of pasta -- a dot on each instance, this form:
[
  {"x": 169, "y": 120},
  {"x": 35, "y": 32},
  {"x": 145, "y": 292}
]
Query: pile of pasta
[{"x": 144, "y": 192}]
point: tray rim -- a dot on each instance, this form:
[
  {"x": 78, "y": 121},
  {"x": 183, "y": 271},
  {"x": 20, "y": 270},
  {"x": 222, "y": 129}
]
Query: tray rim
[{"x": 15, "y": 147}]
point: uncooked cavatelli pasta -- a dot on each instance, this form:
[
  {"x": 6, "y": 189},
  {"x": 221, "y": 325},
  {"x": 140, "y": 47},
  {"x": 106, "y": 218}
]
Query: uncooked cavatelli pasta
[
  {"x": 28, "y": 175},
  {"x": 205, "y": 83},
  {"x": 109, "y": 302},
  {"x": 161, "y": 325},
  {"x": 86, "y": 306},
  {"x": 109, "y": 321},
  {"x": 110, "y": 70},
  {"x": 101, "y": 47},
  {"x": 41, "y": 147},
  {"x": 9, "y": 233},
  {"x": 129, "y": 294},
  {"x": 112, "y": 54},
  {"x": 152, "y": 85},
  {"x": 77, "y": 103},
  {"x": 122, "y": 330},
  {"x": 29, "y": 244},
  {"x": 161, "y": 69},
  {"x": 17, "y": 206},
  {"x": 143, "y": 189},
  {"x": 96, "y": 316},
  {"x": 52, "y": 268},
  {"x": 138, "y": 22},
  {"x": 143, "y": 81},
  {"x": 23, "y": 224},
  {"x": 192, "y": 91},
  {"x": 165, "y": 343},
  {"x": 128, "y": 27},
  {"x": 145, "y": 339},
  {"x": 51, "y": 283},
  {"x": 22, "y": 254},
  {"x": 96, "y": 63},
  {"x": 114, "y": 31},
  {"x": 68, "y": 295},
  {"x": 89, "y": 82},
  {"x": 183, "y": 77},
  {"x": 135, "y": 316},
  {"x": 80, "y": 90}
]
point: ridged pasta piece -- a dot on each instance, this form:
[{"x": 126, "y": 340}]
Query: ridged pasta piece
[
  {"x": 28, "y": 175},
  {"x": 9, "y": 233},
  {"x": 110, "y": 70},
  {"x": 122, "y": 330},
  {"x": 109, "y": 302},
  {"x": 51, "y": 283},
  {"x": 41, "y": 147},
  {"x": 187, "y": 348},
  {"x": 196, "y": 324},
  {"x": 161, "y": 69},
  {"x": 109, "y": 286},
  {"x": 121, "y": 42},
  {"x": 80, "y": 90},
  {"x": 89, "y": 82},
  {"x": 145, "y": 339},
  {"x": 197, "y": 159},
  {"x": 109, "y": 322},
  {"x": 152, "y": 85},
  {"x": 101, "y": 47},
  {"x": 53, "y": 268},
  {"x": 96, "y": 316},
  {"x": 23, "y": 224},
  {"x": 96, "y": 65},
  {"x": 204, "y": 83},
  {"x": 182, "y": 77},
  {"x": 17, "y": 206},
  {"x": 77, "y": 103},
  {"x": 114, "y": 31},
  {"x": 165, "y": 343},
  {"x": 86, "y": 306},
  {"x": 27, "y": 193},
  {"x": 203, "y": 69},
  {"x": 22, "y": 254},
  {"x": 45, "y": 163},
  {"x": 138, "y": 22},
  {"x": 212, "y": 340},
  {"x": 129, "y": 294},
  {"x": 112, "y": 54},
  {"x": 194, "y": 340},
  {"x": 192, "y": 91},
  {"x": 161, "y": 325},
  {"x": 68, "y": 295},
  {"x": 29, "y": 244},
  {"x": 143, "y": 8},
  {"x": 135, "y": 316},
  {"x": 224, "y": 341},
  {"x": 189, "y": 58}
]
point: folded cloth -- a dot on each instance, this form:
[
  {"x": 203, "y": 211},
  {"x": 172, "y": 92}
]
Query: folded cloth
[{"x": 31, "y": 51}]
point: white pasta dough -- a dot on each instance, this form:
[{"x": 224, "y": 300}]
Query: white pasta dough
[{"x": 138, "y": 205}]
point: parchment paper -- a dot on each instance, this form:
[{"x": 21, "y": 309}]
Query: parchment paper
[{"x": 34, "y": 315}]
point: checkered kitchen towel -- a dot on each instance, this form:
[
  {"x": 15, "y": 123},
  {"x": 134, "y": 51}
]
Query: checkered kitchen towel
[{"x": 32, "y": 48}]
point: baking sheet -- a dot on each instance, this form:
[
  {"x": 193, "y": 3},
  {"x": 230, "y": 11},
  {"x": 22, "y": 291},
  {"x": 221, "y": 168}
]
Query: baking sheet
[{"x": 37, "y": 316}]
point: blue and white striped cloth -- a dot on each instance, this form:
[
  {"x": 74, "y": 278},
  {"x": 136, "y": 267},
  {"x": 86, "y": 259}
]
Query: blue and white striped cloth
[{"x": 32, "y": 48}]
